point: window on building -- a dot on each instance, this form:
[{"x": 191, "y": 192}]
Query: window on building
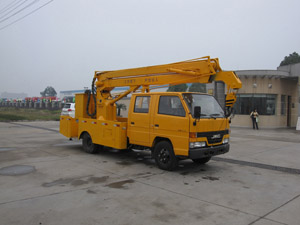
[
  {"x": 283, "y": 104},
  {"x": 171, "y": 105},
  {"x": 142, "y": 104},
  {"x": 265, "y": 104}
]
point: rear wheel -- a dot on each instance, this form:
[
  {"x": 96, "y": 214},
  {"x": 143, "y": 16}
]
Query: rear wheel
[
  {"x": 88, "y": 145},
  {"x": 164, "y": 156},
  {"x": 202, "y": 160}
]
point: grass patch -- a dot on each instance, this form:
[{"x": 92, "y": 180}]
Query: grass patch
[{"x": 15, "y": 114}]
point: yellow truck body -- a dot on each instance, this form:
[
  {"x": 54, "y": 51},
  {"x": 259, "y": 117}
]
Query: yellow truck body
[{"x": 173, "y": 125}]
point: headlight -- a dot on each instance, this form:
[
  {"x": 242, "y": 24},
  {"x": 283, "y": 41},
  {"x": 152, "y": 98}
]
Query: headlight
[
  {"x": 225, "y": 140},
  {"x": 197, "y": 144}
]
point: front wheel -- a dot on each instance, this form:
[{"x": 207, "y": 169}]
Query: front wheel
[
  {"x": 201, "y": 160},
  {"x": 164, "y": 156},
  {"x": 88, "y": 145}
]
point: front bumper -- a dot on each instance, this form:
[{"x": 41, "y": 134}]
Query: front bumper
[{"x": 197, "y": 153}]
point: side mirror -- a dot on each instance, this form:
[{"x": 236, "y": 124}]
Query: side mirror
[
  {"x": 228, "y": 111},
  {"x": 197, "y": 112}
]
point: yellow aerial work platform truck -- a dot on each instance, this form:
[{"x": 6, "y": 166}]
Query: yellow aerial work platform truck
[{"x": 173, "y": 125}]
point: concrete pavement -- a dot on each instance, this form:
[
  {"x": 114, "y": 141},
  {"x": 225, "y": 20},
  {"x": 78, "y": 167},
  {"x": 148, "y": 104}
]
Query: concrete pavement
[{"x": 257, "y": 182}]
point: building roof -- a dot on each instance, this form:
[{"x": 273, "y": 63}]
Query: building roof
[
  {"x": 263, "y": 73},
  {"x": 293, "y": 69},
  {"x": 73, "y": 91}
]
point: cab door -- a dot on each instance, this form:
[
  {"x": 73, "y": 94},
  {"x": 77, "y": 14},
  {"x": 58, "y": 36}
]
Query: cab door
[
  {"x": 139, "y": 121},
  {"x": 171, "y": 120}
]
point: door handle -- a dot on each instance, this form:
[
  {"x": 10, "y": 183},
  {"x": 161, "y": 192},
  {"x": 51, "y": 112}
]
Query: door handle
[
  {"x": 156, "y": 125},
  {"x": 132, "y": 123}
]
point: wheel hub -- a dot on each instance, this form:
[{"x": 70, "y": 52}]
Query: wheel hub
[{"x": 164, "y": 156}]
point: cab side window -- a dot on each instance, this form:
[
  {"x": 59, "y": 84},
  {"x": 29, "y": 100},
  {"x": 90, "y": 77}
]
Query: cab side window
[
  {"x": 171, "y": 105},
  {"x": 142, "y": 104}
]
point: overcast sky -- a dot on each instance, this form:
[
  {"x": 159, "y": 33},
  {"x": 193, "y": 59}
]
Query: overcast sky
[{"x": 64, "y": 42}]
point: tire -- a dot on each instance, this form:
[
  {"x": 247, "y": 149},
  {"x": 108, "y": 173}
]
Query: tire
[
  {"x": 201, "y": 160},
  {"x": 88, "y": 145},
  {"x": 164, "y": 156}
]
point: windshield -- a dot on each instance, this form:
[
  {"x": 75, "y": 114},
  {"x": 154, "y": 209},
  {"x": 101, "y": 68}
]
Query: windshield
[
  {"x": 210, "y": 108},
  {"x": 67, "y": 106}
]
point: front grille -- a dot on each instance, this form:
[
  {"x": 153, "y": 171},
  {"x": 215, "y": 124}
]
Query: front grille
[{"x": 213, "y": 137}]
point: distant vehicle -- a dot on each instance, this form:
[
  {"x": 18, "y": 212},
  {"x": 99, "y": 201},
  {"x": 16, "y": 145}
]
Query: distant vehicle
[
  {"x": 68, "y": 110},
  {"x": 68, "y": 99}
]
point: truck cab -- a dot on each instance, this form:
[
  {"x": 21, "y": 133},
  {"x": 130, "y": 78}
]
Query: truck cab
[{"x": 178, "y": 125}]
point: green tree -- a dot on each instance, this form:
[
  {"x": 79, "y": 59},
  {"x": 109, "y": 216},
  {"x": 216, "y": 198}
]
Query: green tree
[
  {"x": 120, "y": 106},
  {"x": 292, "y": 58},
  {"x": 197, "y": 87},
  {"x": 49, "y": 91},
  {"x": 178, "y": 88}
]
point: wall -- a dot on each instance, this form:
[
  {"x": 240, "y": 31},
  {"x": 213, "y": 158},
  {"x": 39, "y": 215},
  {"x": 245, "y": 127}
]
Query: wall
[
  {"x": 280, "y": 86},
  {"x": 294, "y": 70}
]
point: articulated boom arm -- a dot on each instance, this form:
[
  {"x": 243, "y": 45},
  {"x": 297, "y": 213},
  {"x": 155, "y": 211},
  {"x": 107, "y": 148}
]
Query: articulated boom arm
[{"x": 201, "y": 70}]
